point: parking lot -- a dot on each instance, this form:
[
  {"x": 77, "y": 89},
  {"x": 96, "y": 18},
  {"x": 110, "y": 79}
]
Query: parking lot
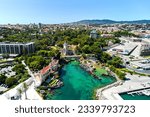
[
  {"x": 3, "y": 87},
  {"x": 7, "y": 71}
]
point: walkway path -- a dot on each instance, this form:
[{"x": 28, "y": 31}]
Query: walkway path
[
  {"x": 29, "y": 71},
  {"x": 99, "y": 94},
  {"x": 136, "y": 83}
]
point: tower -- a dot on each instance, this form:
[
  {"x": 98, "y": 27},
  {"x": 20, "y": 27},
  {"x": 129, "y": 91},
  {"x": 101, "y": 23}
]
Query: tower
[{"x": 65, "y": 48}]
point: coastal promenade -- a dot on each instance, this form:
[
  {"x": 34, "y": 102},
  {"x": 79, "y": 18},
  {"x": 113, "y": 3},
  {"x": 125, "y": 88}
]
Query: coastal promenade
[
  {"x": 29, "y": 71},
  {"x": 135, "y": 83},
  {"x": 112, "y": 91},
  {"x": 100, "y": 95}
]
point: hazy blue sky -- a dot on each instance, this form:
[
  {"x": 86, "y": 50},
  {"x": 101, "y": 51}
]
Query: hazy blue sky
[{"x": 61, "y": 11}]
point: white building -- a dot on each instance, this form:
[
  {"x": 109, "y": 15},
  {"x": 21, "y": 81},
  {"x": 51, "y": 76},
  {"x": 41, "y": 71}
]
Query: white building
[
  {"x": 145, "y": 47},
  {"x": 93, "y": 34},
  {"x": 16, "y": 48},
  {"x": 1, "y": 37}
]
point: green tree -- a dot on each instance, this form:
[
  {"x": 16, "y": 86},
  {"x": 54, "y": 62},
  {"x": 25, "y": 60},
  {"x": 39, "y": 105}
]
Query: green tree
[
  {"x": 123, "y": 33},
  {"x": 20, "y": 93},
  {"x": 35, "y": 65},
  {"x": 25, "y": 87},
  {"x": 86, "y": 49},
  {"x": 105, "y": 57},
  {"x": 2, "y": 78},
  {"x": 121, "y": 75},
  {"x": 116, "y": 61},
  {"x": 84, "y": 56},
  {"x": 10, "y": 81},
  {"x": 36, "y": 62},
  {"x": 112, "y": 68},
  {"x": 19, "y": 68}
]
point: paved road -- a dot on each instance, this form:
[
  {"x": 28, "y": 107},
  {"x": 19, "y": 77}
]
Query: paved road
[
  {"x": 29, "y": 71},
  {"x": 110, "y": 47},
  {"x": 139, "y": 71}
]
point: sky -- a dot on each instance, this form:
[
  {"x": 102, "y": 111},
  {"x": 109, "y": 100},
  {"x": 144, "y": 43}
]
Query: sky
[{"x": 64, "y": 11}]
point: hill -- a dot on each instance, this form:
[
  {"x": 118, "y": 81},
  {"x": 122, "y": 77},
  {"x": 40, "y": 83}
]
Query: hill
[{"x": 106, "y": 21}]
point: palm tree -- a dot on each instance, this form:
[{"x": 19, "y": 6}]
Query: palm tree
[
  {"x": 20, "y": 92},
  {"x": 25, "y": 87}
]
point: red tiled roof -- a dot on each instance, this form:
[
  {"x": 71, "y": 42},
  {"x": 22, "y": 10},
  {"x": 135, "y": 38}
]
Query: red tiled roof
[{"x": 45, "y": 69}]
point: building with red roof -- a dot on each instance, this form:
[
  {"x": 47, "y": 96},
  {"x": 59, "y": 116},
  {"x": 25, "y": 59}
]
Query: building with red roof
[{"x": 46, "y": 71}]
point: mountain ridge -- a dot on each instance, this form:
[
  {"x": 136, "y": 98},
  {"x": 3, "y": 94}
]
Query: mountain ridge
[{"x": 108, "y": 21}]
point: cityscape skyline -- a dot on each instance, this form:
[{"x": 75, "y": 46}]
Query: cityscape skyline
[{"x": 64, "y": 11}]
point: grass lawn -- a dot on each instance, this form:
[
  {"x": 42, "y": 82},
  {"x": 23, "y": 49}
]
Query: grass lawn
[{"x": 100, "y": 71}]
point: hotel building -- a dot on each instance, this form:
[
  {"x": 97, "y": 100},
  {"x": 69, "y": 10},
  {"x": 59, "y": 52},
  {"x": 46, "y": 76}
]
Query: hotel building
[{"x": 16, "y": 48}]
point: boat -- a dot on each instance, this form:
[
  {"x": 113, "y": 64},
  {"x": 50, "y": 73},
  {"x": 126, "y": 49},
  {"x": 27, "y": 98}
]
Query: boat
[
  {"x": 56, "y": 84},
  {"x": 132, "y": 94}
]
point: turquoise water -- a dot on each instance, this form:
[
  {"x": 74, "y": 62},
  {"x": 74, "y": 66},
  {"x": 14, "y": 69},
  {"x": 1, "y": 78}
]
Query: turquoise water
[
  {"x": 78, "y": 84},
  {"x": 126, "y": 96}
]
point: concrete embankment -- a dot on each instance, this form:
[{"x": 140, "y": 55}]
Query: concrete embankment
[{"x": 99, "y": 94}]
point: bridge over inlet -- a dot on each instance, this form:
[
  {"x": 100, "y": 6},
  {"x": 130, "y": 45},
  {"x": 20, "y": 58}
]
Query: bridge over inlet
[{"x": 72, "y": 57}]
